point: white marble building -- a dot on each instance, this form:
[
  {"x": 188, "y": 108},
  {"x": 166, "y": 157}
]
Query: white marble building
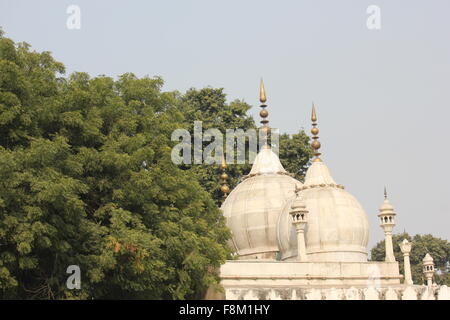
[{"x": 308, "y": 240}]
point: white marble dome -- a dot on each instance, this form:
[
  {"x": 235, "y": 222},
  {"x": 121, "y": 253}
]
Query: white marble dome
[
  {"x": 252, "y": 208},
  {"x": 337, "y": 227}
]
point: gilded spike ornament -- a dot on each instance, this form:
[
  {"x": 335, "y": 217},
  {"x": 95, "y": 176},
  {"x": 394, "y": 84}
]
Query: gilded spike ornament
[
  {"x": 262, "y": 92},
  {"x": 315, "y": 131},
  {"x": 264, "y": 114},
  {"x": 262, "y": 98},
  {"x": 224, "y": 176}
]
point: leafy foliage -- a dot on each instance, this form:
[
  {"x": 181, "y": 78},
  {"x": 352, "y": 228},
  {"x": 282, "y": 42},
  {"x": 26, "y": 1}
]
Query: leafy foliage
[
  {"x": 438, "y": 248},
  {"x": 87, "y": 179},
  {"x": 295, "y": 153},
  {"x": 209, "y": 106}
]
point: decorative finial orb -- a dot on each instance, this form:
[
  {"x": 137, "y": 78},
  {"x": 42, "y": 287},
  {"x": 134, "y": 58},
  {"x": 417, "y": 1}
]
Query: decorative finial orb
[
  {"x": 315, "y": 131},
  {"x": 315, "y": 144},
  {"x": 265, "y": 129},
  {"x": 224, "y": 176},
  {"x": 225, "y": 189}
]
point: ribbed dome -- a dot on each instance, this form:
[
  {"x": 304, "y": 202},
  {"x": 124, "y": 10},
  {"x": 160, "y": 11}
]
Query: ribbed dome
[
  {"x": 337, "y": 228},
  {"x": 253, "y": 207}
]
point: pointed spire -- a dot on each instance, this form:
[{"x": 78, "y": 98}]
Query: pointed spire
[
  {"x": 224, "y": 176},
  {"x": 386, "y": 206},
  {"x": 223, "y": 165},
  {"x": 315, "y": 131},
  {"x": 262, "y": 97},
  {"x": 262, "y": 92},
  {"x": 313, "y": 113},
  {"x": 264, "y": 114}
]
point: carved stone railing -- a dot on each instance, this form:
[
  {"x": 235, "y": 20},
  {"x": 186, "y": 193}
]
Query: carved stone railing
[{"x": 401, "y": 292}]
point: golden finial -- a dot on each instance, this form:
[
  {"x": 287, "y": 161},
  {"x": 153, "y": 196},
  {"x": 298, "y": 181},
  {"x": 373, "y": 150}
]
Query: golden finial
[
  {"x": 385, "y": 193},
  {"x": 224, "y": 176},
  {"x": 223, "y": 165},
  {"x": 262, "y": 97},
  {"x": 315, "y": 131},
  {"x": 262, "y": 92},
  {"x": 264, "y": 114},
  {"x": 313, "y": 114}
]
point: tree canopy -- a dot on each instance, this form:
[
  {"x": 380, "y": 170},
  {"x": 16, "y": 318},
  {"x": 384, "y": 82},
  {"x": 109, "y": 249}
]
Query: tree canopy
[
  {"x": 86, "y": 179},
  {"x": 438, "y": 248},
  {"x": 209, "y": 106}
]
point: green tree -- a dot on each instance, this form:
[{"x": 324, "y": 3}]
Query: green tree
[
  {"x": 295, "y": 153},
  {"x": 438, "y": 248},
  {"x": 86, "y": 178},
  {"x": 209, "y": 106}
]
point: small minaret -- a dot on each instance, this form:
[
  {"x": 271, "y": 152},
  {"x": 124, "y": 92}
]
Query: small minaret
[
  {"x": 264, "y": 129},
  {"x": 428, "y": 269},
  {"x": 315, "y": 131},
  {"x": 299, "y": 215},
  {"x": 405, "y": 246},
  {"x": 387, "y": 222},
  {"x": 224, "y": 176}
]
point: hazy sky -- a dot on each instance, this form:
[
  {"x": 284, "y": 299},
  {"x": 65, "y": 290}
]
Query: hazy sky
[{"x": 382, "y": 96}]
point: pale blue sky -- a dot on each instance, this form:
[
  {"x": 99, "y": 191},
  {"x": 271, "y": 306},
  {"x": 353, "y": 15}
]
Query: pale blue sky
[{"x": 382, "y": 96}]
